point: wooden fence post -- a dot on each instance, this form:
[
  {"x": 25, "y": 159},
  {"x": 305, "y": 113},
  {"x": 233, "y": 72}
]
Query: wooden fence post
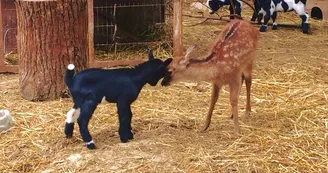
[
  {"x": 177, "y": 28},
  {"x": 2, "y": 51}
]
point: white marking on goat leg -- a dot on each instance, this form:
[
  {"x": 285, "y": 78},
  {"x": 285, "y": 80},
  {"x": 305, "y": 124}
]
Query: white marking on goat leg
[
  {"x": 72, "y": 115},
  {"x": 91, "y": 142},
  {"x": 103, "y": 100}
]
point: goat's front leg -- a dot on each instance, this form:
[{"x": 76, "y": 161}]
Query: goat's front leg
[
  {"x": 238, "y": 8},
  {"x": 259, "y": 18},
  {"x": 214, "y": 98},
  {"x": 87, "y": 109},
  {"x": 232, "y": 11},
  {"x": 264, "y": 26},
  {"x": 274, "y": 24},
  {"x": 305, "y": 23},
  {"x": 256, "y": 11},
  {"x": 234, "y": 94},
  {"x": 125, "y": 117}
]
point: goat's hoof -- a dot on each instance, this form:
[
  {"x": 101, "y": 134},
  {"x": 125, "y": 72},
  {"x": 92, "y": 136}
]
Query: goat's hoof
[
  {"x": 274, "y": 27},
  {"x": 69, "y": 127},
  {"x": 69, "y": 136},
  {"x": 305, "y": 28},
  {"x": 263, "y": 28},
  {"x": 126, "y": 137},
  {"x": 91, "y": 146}
]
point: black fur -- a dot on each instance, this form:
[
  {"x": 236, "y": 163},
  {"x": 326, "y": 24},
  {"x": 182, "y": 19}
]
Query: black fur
[
  {"x": 120, "y": 86},
  {"x": 215, "y": 5}
]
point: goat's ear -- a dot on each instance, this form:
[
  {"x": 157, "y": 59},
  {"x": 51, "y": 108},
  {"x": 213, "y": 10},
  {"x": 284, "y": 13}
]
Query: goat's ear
[
  {"x": 150, "y": 54},
  {"x": 166, "y": 63},
  {"x": 189, "y": 53}
]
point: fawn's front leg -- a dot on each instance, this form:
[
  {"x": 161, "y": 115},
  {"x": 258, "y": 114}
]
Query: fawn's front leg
[{"x": 214, "y": 98}]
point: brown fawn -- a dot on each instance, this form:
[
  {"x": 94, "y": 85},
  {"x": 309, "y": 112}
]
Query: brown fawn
[{"x": 229, "y": 61}]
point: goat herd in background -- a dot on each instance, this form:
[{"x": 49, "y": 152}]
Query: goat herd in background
[
  {"x": 268, "y": 8},
  {"x": 229, "y": 62}
]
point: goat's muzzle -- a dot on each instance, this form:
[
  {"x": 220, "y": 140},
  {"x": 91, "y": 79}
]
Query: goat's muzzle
[{"x": 167, "y": 79}]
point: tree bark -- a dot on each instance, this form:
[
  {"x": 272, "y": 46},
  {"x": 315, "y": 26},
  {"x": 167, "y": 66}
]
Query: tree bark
[{"x": 51, "y": 35}]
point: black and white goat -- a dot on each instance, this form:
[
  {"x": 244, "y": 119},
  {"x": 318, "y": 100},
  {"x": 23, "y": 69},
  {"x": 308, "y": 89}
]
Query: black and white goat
[
  {"x": 121, "y": 86},
  {"x": 271, "y": 7},
  {"x": 215, "y": 5}
]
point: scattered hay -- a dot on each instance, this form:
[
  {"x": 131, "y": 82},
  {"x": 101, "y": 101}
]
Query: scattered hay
[{"x": 286, "y": 132}]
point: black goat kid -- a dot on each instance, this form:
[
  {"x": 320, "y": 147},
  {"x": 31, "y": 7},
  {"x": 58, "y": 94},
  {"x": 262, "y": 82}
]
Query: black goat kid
[{"x": 121, "y": 86}]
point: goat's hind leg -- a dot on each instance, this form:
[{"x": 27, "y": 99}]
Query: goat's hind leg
[
  {"x": 214, "y": 98},
  {"x": 69, "y": 123},
  {"x": 87, "y": 109}
]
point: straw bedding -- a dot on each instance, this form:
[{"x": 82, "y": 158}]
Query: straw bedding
[{"x": 287, "y": 130}]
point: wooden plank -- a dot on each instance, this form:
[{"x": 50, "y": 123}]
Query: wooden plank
[
  {"x": 9, "y": 69},
  {"x": 91, "y": 48},
  {"x": 113, "y": 63},
  {"x": 2, "y": 51},
  {"x": 177, "y": 28}
]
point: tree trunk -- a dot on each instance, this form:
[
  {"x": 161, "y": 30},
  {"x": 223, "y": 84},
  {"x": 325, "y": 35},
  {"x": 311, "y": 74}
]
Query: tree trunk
[{"x": 51, "y": 35}]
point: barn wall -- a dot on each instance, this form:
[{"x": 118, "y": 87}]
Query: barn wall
[
  {"x": 322, "y": 4},
  {"x": 128, "y": 21},
  {"x": 9, "y": 25},
  {"x": 136, "y": 21}
]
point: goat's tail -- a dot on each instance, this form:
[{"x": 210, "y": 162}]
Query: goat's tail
[{"x": 69, "y": 75}]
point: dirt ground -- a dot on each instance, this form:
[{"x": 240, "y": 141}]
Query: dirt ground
[{"x": 287, "y": 130}]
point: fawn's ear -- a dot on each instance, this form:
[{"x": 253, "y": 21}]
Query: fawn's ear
[
  {"x": 150, "y": 54},
  {"x": 189, "y": 53}
]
